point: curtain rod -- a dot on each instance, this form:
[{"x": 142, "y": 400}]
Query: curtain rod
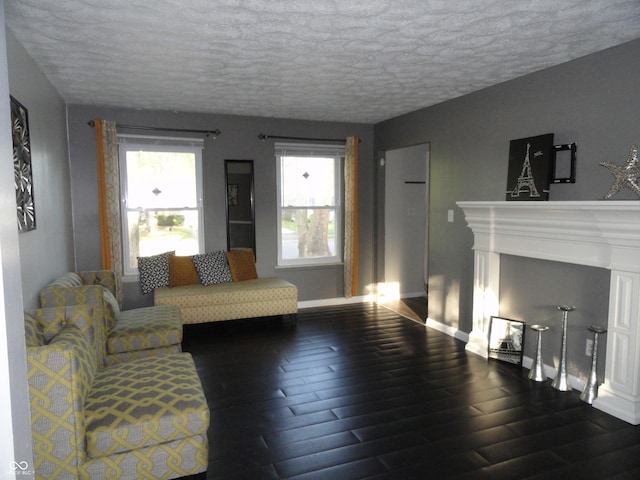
[
  {"x": 264, "y": 136},
  {"x": 208, "y": 133}
]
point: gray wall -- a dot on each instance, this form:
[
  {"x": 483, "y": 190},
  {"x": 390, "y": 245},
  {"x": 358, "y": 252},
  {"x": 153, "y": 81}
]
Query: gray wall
[
  {"x": 47, "y": 251},
  {"x": 532, "y": 289},
  {"x": 593, "y": 101},
  {"x": 239, "y": 140}
]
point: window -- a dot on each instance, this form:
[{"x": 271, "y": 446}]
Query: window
[
  {"x": 309, "y": 213},
  {"x": 161, "y": 197}
]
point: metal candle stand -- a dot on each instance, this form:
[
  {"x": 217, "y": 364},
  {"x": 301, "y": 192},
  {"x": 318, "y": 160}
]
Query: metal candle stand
[
  {"x": 590, "y": 391},
  {"x": 561, "y": 382},
  {"x": 537, "y": 367}
]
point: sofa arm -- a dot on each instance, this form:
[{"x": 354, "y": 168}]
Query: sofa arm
[
  {"x": 42, "y": 324},
  {"x": 60, "y": 376},
  {"x": 90, "y": 295}
]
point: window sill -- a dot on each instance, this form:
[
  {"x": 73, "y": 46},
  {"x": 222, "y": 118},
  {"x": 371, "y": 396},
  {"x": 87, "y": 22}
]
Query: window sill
[{"x": 309, "y": 266}]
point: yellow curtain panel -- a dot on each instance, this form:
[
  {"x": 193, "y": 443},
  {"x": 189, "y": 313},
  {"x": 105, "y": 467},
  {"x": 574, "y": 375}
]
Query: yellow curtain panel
[
  {"x": 109, "y": 198},
  {"x": 351, "y": 217}
]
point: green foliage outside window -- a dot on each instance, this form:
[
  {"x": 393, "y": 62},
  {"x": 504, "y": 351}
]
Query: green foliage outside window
[{"x": 170, "y": 220}]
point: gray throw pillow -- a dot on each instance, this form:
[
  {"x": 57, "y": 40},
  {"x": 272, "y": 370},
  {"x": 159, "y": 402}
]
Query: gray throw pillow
[{"x": 212, "y": 267}]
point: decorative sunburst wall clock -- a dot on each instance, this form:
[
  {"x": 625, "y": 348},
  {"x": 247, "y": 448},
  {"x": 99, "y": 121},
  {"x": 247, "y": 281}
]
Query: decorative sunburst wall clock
[{"x": 22, "y": 171}]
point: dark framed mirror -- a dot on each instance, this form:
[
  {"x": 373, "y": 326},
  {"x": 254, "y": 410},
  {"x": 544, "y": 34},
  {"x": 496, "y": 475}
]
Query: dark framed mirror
[{"x": 241, "y": 231}]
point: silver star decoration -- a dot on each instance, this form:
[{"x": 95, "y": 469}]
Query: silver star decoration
[{"x": 627, "y": 176}]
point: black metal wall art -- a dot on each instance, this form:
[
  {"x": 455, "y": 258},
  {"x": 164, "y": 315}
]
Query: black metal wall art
[{"x": 22, "y": 172}]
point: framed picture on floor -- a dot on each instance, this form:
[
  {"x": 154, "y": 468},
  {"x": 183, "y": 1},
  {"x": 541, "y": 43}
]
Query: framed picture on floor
[{"x": 506, "y": 340}]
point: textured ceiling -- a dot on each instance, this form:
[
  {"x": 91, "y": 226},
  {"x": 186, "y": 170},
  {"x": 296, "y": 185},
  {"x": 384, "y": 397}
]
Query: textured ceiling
[{"x": 338, "y": 60}]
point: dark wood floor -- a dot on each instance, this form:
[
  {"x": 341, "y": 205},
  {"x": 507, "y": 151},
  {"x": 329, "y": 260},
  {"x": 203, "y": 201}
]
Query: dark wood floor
[{"x": 359, "y": 391}]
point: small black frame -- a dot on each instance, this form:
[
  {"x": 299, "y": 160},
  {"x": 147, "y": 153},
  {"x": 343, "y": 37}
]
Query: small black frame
[{"x": 565, "y": 147}]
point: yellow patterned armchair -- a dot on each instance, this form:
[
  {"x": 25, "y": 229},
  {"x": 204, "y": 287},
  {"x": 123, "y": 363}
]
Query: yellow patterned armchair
[
  {"x": 125, "y": 334},
  {"x": 143, "y": 419}
]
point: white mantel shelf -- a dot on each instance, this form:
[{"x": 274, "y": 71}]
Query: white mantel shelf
[{"x": 601, "y": 233}]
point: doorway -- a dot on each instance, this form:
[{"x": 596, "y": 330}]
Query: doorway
[{"x": 405, "y": 221}]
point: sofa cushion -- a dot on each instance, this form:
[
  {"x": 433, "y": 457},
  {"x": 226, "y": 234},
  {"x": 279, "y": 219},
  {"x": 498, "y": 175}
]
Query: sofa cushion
[
  {"x": 213, "y": 267},
  {"x": 182, "y": 271},
  {"x": 145, "y": 402},
  {"x": 242, "y": 264},
  {"x": 121, "y": 357},
  {"x": 145, "y": 328},
  {"x": 185, "y": 457},
  {"x": 154, "y": 271}
]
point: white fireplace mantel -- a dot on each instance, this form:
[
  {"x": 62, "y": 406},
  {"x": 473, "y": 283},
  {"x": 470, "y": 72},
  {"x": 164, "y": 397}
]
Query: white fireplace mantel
[{"x": 602, "y": 234}]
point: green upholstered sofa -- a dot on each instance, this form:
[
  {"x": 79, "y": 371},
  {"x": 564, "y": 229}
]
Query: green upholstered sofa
[
  {"x": 128, "y": 334},
  {"x": 137, "y": 419}
]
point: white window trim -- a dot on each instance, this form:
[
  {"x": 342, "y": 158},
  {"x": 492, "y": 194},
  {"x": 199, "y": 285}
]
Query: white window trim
[
  {"x": 157, "y": 144},
  {"x": 311, "y": 150}
]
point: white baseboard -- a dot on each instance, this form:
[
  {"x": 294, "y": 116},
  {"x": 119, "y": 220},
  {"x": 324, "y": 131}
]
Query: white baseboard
[
  {"x": 412, "y": 295},
  {"x": 327, "y": 302},
  {"x": 452, "y": 332}
]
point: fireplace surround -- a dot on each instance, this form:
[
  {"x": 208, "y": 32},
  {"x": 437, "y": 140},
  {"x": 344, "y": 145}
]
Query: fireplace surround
[{"x": 598, "y": 233}]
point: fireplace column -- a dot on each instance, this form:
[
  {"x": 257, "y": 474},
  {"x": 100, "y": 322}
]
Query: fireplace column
[
  {"x": 619, "y": 395},
  {"x": 486, "y": 294}
]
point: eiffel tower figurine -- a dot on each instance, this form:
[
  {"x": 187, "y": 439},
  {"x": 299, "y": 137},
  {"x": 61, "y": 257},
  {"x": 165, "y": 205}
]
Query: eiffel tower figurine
[{"x": 525, "y": 180}]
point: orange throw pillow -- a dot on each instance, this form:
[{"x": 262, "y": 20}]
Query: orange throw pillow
[
  {"x": 242, "y": 264},
  {"x": 182, "y": 271}
]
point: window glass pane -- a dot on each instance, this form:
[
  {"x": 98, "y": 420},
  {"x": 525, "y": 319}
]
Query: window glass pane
[
  {"x": 308, "y": 181},
  {"x": 308, "y": 233},
  {"x": 161, "y": 179},
  {"x": 156, "y": 231}
]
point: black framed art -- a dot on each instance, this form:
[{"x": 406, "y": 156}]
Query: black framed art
[
  {"x": 506, "y": 340},
  {"x": 22, "y": 171},
  {"x": 531, "y": 168}
]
